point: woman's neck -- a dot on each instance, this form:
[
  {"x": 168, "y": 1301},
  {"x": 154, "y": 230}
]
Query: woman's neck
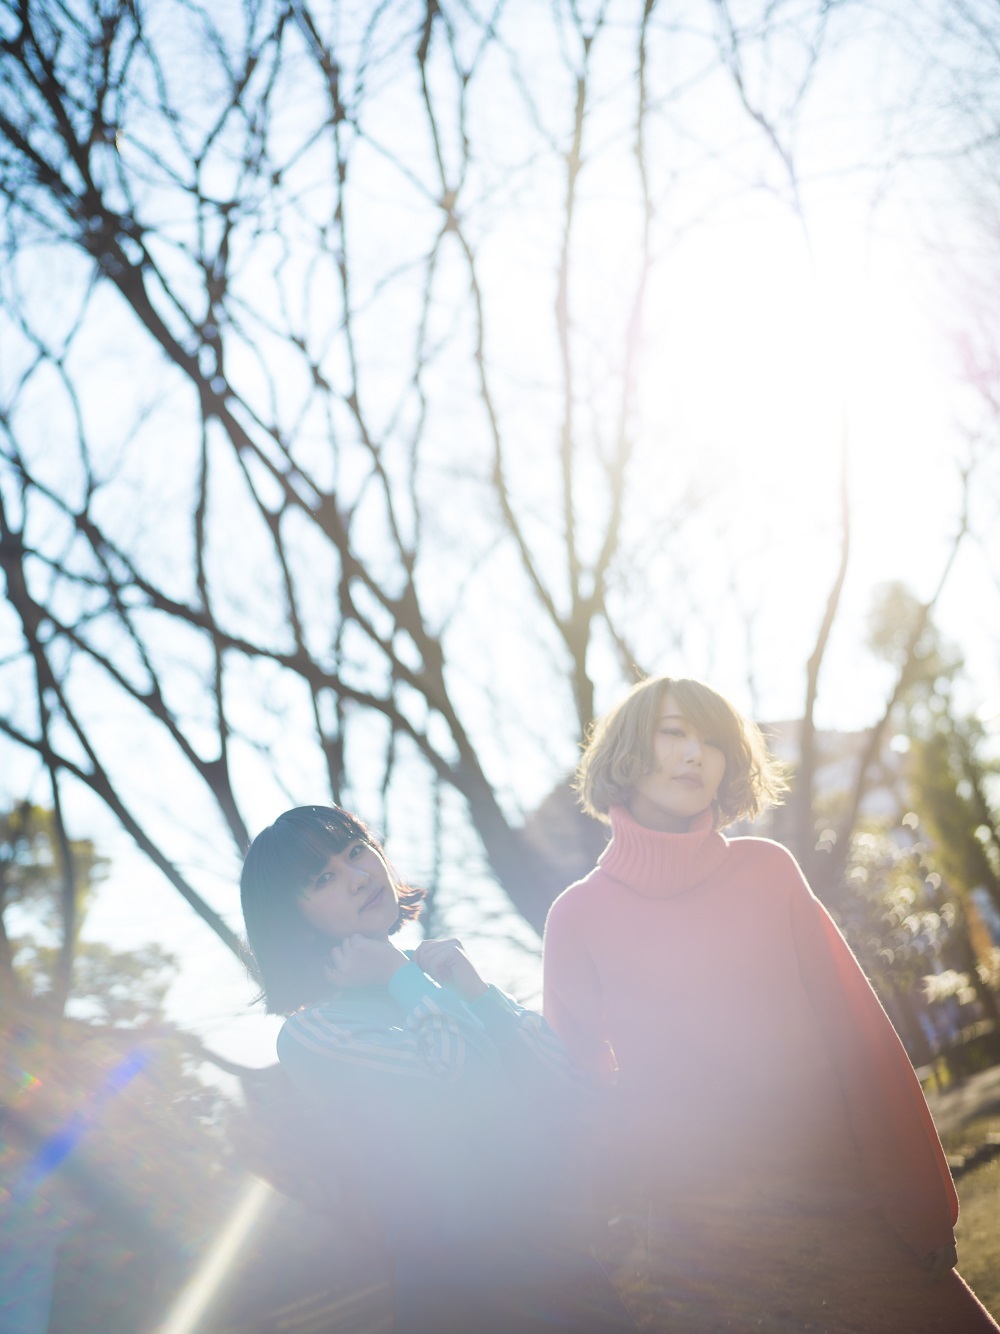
[{"x": 651, "y": 816}]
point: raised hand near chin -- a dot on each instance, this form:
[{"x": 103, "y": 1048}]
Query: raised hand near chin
[
  {"x": 359, "y": 961},
  {"x": 447, "y": 962}
]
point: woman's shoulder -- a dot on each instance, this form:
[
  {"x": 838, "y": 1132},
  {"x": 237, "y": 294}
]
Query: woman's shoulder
[
  {"x": 577, "y": 898},
  {"x": 298, "y": 1023},
  {"x": 754, "y": 848},
  {"x": 764, "y": 857},
  {"x": 321, "y": 1020}
]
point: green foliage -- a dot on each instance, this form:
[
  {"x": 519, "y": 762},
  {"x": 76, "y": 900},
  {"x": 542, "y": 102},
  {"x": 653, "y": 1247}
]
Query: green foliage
[
  {"x": 894, "y": 915},
  {"x": 113, "y": 987},
  {"x": 31, "y": 873},
  {"x": 146, "y": 1176},
  {"x": 120, "y": 988},
  {"x": 950, "y": 783},
  {"x": 948, "y": 773},
  {"x": 901, "y": 633},
  {"x": 35, "y": 917},
  {"x": 907, "y": 926}
]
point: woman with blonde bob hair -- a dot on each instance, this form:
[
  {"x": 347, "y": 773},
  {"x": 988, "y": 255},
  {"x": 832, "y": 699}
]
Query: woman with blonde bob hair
[
  {"x": 620, "y": 751},
  {"x": 760, "y": 1112}
]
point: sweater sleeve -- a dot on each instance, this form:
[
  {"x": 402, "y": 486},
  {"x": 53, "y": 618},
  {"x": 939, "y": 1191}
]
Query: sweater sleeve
[
  {"x": 440, "y": 1040},
  {"x": 899, "y": 1146},
  {"x": 525, "y": 1041},
  {"x": 573, "y": 1002}
]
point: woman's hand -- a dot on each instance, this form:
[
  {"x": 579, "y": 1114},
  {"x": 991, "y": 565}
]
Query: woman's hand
[
  {"x": 446, "y": 962},
  {"x": 940, "y": 1261},
  {"x": 359, "y": 961}
]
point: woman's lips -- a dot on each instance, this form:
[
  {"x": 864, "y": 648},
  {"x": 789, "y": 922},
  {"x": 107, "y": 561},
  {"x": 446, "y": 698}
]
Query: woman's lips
[{"x": 689, "y": 780}]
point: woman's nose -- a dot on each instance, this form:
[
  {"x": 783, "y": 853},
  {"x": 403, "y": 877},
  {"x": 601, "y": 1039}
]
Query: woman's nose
[{"x": 694, "y": 748}]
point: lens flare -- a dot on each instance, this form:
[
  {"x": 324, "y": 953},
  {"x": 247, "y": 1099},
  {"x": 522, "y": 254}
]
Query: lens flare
[
  {"x": 57, "y": 1148},
  {"x": 211, "y": 1273}
]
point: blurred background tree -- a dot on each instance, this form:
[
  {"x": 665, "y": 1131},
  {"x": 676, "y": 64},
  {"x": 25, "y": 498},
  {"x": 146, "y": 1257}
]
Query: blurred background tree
[
  {"x": 909, "y": 928},
  {"x": 119, "y": 988},
  {"x": 905, "y": 893},
  {"x": 952, "y": 777},
  {"x": 115, "y": 1169}
]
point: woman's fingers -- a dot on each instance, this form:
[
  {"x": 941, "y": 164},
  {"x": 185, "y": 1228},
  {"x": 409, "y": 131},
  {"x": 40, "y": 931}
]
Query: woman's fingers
[
  {"x": 446, "y": 962},
  {"x": 340, "y": 960},
  {"x": 431, "y": 954},
  {"x": 433, "y": 948}
]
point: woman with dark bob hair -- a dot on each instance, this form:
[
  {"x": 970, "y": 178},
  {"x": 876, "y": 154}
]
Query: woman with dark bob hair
[
  {"x": 452, "y": 1104},
  {"x": 764, "y": 1114}
]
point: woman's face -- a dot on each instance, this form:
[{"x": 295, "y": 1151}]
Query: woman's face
[
  {"x": 687, "y": 771},
  {"x": 353, "y": 894}
]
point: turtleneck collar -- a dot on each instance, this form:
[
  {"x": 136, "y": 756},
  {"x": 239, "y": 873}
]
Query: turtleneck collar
[{"x": 659, "y": 865}]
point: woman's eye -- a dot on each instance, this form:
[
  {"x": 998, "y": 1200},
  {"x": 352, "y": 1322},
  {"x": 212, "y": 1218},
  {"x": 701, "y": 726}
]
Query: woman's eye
[{"x": 356, "y": 850}]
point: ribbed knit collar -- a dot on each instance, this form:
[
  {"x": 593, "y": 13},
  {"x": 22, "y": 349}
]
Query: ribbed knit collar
[{"x": 660, "y": 865}]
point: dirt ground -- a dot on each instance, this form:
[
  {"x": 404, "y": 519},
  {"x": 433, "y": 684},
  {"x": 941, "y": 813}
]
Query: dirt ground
[
  {"x": 979, "y": 1219},
  {"x": 979, "y": 1233}
]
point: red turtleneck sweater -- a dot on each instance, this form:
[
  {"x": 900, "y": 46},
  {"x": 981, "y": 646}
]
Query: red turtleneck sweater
[{"x": 754, "y": 1060}]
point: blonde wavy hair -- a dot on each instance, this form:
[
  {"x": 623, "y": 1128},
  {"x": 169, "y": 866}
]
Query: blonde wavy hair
[{"x": 619, "y": 750}]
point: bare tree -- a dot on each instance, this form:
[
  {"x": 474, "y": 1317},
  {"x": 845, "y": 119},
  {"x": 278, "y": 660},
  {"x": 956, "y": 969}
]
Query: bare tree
[{"x": 301, "y": 473}]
